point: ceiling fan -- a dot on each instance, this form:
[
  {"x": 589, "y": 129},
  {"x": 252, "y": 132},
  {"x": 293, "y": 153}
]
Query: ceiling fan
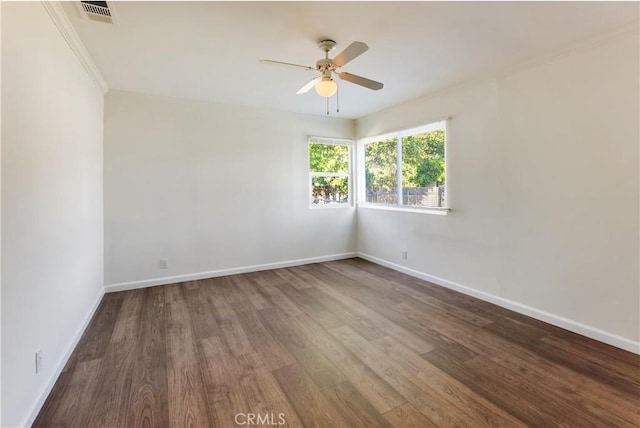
[{"x": 324, "y": 84}]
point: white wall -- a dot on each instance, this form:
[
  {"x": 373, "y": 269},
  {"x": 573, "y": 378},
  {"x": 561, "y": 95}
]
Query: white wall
[
  {"x": 0, "y": 214},
  {"x": 211, "y": 187},
  {"x": 52, "y": 221},
  {"x": 543, "y": 180}
]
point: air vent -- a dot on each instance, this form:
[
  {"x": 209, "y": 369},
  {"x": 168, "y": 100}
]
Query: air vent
[{"x": 98, "y": 11}]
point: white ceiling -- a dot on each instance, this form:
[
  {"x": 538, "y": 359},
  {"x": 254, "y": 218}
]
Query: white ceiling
[{"x": 210, "y": 50}]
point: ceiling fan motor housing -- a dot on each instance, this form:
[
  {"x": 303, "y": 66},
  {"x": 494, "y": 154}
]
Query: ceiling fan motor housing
[
  {"x": 327, "y": 45},
  {"x": 325, "y": 64}
]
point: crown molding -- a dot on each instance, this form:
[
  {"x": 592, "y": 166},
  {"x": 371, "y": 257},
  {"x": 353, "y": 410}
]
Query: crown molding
[{"x": 62, "y": 22}]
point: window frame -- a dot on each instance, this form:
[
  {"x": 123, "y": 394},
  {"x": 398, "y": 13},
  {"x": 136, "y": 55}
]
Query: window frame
[
  {"x": 313, "y": 139},
  {"x": 398, "y": 135}
]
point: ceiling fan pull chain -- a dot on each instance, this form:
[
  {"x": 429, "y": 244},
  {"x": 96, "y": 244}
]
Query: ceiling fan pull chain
[
  {"x": 338, "y": 100},
  {"x": 327, "y": 105}
]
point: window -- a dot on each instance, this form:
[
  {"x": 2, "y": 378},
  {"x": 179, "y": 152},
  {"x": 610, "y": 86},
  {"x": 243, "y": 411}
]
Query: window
[
  {"x": 406, "y": 168},
  {"x": 330, "y": 171}
]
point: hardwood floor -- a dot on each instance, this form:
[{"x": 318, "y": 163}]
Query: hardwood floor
[{"x": 339, "y": 344}]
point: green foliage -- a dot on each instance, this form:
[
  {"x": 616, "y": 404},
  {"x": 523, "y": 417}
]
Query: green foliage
[
  {"x": 330, "y": 189},
  {"x": 422, "y": 162},
  {"x": 381, "y": 164},
  {"x": 329, "y": 158},
  {"x": 423, "y": 159}
]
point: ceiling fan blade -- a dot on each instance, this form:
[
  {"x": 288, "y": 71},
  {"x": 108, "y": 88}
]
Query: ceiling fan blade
[
  {"x": 270, "y": 62},
  {"x": 362, "y": 81},
  {"x": 309, "y": 85},
  {"x": 352, "y": 51}
]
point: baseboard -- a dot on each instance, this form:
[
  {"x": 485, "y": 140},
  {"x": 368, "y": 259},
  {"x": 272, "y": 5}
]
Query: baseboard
[
  {"x": 62, "y": 362},
  {"x": 223, "y": 272},
  {"x": 558, "y": 321}
]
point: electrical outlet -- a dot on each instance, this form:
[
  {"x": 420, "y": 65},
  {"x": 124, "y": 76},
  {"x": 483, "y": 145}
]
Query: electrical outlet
[
  {"x": 404, "y": 254},
  {"x": 39, "y": 361},
  {"x": 164, "y": 263}
]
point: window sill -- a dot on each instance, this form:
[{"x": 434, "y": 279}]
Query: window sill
[
  {"x": 329, "y": 206},
  {"x": 404, "y": 208}
]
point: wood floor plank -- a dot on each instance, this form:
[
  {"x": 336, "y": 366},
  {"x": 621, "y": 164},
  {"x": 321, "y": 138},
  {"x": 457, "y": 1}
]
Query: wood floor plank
[
  {"x": 313, "y": 408},
  {"x": 271, "y": 352},
  {"x": 589, "y": 345},
  {"x": 382, "y": 306},
  {"x": 73, "y": 405},
  {"x": 343, "y": 343},
  {"x": 541, "y": 404},
  {"x": 148, "y": 398},
  {"x": 482, "y": 411},
  {"x": 621, "y": 376},
  {"x": 443, "y": 307},
  {"x": 420, "y": 294},
  {"x": 505, "y": 394},
  {"x": 329, "y": 276},
  {"x": 294, "y": 280},
  {"x": 423, "y": 330},
  {"x": 434, "y": 407},
  {"x": 626, "y": 367},
  {"x": 263, "y": 394},
  {"x": 199, "y": 304},
  {"x": 128, "y": 323},
  {"x": 347, "y": 316},
  {"x": 591, "y": 393},
  {"x": 221, "y": 377},
  {"x": 516, "y": 331},
  {"x": 319, "y": 368},
  {"x": 186, "y": 392},
  {"x": 591, "y": 396},
  {"x": 373, "y": 323},
  {"x": 249, "y": 288},
  {"x": 95, "y": 340},
  {"x": 298, "y": 274},
  {"x": 59, "y": 394},
  {"x": 116, "y": 369},
  {"x": 231, "y": 330},
  {"x": 355, "y": 408},
  {"x": 378, "y": 392},
  {"x": 462, "y": 301},
  {"x": 363, "y": 324},
  {"x": 267, "y": 285},
  {"x": 325, "y": 316},
  {"x": 407, "y": 416},
  {"x": 376, "y": 284}
]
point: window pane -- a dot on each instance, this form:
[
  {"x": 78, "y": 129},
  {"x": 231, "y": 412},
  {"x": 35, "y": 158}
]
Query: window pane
[
  {"x": 328, "y": 158},
  {"x": 423, "y": 169},
  {"x": 380, "y": 171},
  {"x": 329, "y": 190}
]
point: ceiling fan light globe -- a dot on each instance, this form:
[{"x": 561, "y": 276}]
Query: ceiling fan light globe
[{"x": 326, "y": 87}]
